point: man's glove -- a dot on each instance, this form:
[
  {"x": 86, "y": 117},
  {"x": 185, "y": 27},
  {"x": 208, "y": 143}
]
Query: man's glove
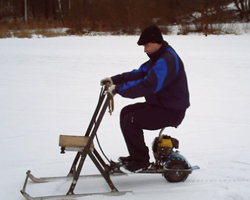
[
  {"x": 106, "y": 80},
  {"x": 111, "y": 90}
]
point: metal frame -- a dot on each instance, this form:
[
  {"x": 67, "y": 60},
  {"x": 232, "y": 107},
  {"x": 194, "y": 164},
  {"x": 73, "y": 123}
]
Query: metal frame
[
  {"x": 79, "y": 160},
  {"x": 104, "y": 102}
]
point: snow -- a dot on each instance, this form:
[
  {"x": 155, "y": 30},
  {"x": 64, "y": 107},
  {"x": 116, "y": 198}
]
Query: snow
[{"x": 50, "y": 87}]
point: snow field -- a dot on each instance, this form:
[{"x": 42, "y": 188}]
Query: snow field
[{"x": 50, "y": 87}]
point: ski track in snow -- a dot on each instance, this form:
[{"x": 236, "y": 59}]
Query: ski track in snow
[{"x": 50, "y": 87}]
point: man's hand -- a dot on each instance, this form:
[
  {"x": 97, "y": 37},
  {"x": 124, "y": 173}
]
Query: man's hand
[
  {"x": 111, "y": 90},
  {"x": 106, "y": 80}
]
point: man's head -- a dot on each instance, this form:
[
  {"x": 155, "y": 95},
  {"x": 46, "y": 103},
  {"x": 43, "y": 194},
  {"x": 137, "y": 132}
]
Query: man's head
[
  {"x": 150, "y": 48},
  {"x": 151, "y": 38}
]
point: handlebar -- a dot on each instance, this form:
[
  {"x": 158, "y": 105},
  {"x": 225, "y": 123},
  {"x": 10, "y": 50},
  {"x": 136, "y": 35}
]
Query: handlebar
[{"x": 105, "y": 91}]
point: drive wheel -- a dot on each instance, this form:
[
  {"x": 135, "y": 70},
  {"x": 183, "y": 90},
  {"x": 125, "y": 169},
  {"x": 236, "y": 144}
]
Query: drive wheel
[{"x": 176, "y": 163}]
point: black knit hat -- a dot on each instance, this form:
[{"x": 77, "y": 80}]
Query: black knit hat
[{"x": 150, "y": 34}]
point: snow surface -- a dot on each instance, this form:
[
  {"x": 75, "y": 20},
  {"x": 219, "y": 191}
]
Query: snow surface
[{"x": 50, "y": 87}]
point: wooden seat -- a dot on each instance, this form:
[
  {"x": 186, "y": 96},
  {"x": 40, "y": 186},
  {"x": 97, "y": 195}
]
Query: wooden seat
[{"x": 74, "y": 143}]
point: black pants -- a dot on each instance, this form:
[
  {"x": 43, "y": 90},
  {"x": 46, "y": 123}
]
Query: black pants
[{"x": 134, "y": 118}]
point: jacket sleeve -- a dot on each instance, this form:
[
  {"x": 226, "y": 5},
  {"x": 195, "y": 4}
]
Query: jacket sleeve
[
  {"x": 156, "y": 78},
  {"x": 134, "y": 75}
]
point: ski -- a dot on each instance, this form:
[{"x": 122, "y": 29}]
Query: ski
[
  {"x": 73, "y": 197},
  {"x": 69, "y": 177},
  {"x": 120, "y": 173},
  {"x": 113, "y": 192}
]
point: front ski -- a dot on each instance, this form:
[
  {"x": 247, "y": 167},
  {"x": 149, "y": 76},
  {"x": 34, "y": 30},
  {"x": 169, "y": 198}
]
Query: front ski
[
  {"x": 72, "y": 197},
  {"x": 69, "y": 177},
  {"x": 114, "y": 192}
]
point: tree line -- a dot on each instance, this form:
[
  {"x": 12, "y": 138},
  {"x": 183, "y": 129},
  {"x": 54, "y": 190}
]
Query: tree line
[{"x": 122, "y": 15}]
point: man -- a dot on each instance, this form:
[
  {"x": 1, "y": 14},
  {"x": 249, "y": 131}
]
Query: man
[{"x": 162, "y": 81}]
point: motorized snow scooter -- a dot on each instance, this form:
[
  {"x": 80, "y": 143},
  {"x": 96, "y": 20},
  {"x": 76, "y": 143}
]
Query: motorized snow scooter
[{"x": 168, "y": 161}]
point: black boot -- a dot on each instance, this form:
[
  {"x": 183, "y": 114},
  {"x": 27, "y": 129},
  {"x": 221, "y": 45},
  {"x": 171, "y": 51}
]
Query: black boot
[
  {"x": 134, "y": 166},
  {"x": 125, "y": 160}
]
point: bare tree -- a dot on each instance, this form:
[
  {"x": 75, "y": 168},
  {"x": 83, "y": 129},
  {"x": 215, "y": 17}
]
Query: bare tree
[{"x": 243, "y": 8}]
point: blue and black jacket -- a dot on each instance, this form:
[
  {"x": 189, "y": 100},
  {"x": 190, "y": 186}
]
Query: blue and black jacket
[{"x": 161, "y": 80}]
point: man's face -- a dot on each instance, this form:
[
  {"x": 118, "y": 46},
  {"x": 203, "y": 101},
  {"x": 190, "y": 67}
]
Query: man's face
[{"x": 150, "y": 48}]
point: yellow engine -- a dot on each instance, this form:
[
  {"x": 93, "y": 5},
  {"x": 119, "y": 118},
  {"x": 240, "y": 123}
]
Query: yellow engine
[{"x": 163, "y": 146}]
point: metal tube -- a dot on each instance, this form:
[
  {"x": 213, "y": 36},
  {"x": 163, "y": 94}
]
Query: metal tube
[
  {"x": 26, "y": 181},
  {"x": 25, "y": 11}
]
